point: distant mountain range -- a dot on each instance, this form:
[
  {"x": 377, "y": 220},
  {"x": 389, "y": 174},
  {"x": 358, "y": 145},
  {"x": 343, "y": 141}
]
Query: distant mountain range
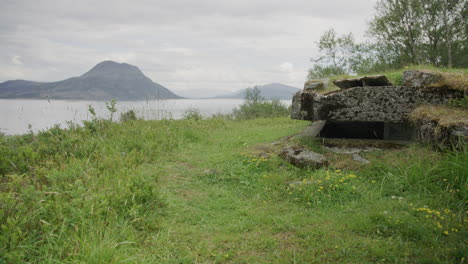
[
  {"x": 269, "y": 91},
  {"x": 105, "y": 81}
]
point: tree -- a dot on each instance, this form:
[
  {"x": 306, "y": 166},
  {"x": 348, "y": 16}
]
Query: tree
[
  {"x": 454, "y": 13},
  {"x": 334, "y": 56},
  {"x": 422, "y": 31},
  {"x": 397, "y": 26},
  {"x": 253, "y": 95}
]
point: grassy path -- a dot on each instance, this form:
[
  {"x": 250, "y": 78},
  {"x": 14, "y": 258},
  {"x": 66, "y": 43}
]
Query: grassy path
[
  {"x": 216, "y": 223},
  {"x": 212, "y": 220}
]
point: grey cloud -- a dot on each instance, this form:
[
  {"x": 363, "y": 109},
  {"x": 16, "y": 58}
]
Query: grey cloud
[{"x": 183, "y": 44}]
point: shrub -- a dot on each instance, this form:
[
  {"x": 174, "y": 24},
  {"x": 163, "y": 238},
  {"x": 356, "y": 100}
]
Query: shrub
[
  {"x": 256, "y": 106},
  {"x": 192, "y": 114},
  {"x": 127, "y": 116}
]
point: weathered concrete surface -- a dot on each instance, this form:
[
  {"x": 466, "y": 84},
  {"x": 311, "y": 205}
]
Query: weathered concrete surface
[
  {"x": 377, "y": 80},
  {"x": 430, "y": 132},
  {"x": 314, "y": 129},
  {"x": 370, "y": 104},
  {"x": 301, "y": 104},
  {"x": 314, "y": 85},
  {"x": 303, "y": 158}
]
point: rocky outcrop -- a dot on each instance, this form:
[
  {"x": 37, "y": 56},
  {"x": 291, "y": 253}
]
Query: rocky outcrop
[
  {"x": 303, "y": 158},
  {"x": 377, "y": 80}
]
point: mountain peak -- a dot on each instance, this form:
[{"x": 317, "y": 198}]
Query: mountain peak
[
  {"x": 107, "y": 80},
  {"x": 109, "y": 67}
]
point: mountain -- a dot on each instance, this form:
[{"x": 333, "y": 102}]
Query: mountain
[
  {"x": 269, "y": 91},
  {"x": 105, "y": 81}
]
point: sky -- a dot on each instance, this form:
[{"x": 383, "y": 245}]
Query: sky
[{"x": 196, "y": 48}]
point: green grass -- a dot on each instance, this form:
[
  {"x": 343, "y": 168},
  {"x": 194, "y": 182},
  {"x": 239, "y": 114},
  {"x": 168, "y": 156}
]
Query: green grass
[{"x": 214, "y": 191}]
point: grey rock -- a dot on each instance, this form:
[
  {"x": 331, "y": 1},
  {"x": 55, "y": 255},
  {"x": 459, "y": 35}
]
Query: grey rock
[
  {"x": 416, "y": 78},
  {"x": 358, "y": 157},
  {"x": 377, "y": 80},
  {"x": 303, "y": 158},
  {"x": 350, "y": 150}
]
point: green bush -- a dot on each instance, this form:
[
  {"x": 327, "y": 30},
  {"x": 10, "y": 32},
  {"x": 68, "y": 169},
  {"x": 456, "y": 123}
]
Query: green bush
[
  {"x": 255, "y": 106},
  {"x": 192, "y": 114},
  {"x": 127, "y": 116}
]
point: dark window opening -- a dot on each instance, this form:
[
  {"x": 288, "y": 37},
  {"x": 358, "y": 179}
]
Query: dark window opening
[
  {"x": 367, "y": 130},
  {"x": 347, "y": 129}
]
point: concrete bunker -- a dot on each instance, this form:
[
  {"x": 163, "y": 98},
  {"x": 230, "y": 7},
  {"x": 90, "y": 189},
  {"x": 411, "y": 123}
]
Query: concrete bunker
[{"x": 371, "y": 107}]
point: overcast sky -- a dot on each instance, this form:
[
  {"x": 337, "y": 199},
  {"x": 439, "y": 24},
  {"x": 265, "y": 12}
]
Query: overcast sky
[{"x": 193, "y": 47}]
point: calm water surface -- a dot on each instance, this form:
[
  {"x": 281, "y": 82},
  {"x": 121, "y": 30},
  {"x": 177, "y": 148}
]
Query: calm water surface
[{"x": 16, "y": 115}]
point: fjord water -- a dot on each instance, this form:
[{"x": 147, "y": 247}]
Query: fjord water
[{"x": 17, "y": 115}]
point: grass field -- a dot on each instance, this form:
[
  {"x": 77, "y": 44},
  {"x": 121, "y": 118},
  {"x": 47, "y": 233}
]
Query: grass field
[{"x": 214, "y": 191}]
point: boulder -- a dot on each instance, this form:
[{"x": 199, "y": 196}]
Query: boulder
[
  {"x": 314, "y": 85},
  {"x": 377, "y": 80},
  {"x": 417, "y": 78},
  {"x": 303, "y": 158}
]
